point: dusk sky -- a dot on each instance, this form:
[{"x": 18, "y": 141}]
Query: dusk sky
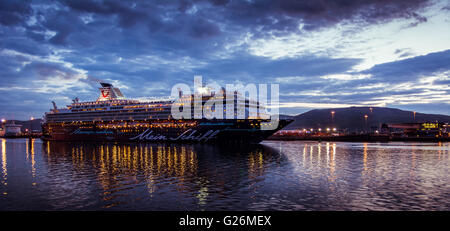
[{"x": 324, "y": 54}]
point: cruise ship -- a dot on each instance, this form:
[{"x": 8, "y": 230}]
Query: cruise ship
[{"x": 112, "y": 117}]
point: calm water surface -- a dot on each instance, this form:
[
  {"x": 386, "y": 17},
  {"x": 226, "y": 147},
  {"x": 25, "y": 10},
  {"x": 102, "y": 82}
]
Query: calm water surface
[{"x": 274, "y": 175}]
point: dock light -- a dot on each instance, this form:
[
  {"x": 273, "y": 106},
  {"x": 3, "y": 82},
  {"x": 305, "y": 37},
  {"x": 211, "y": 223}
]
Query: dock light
[
  {"x": 312, "y": 129},
  {"x": 32, "y": 118},
  {"x": 328, "y": 129},
  {"x": 320, "y": 129},
  {"x": 3, "y": 120},
  {"x": 334, "y": 129}
]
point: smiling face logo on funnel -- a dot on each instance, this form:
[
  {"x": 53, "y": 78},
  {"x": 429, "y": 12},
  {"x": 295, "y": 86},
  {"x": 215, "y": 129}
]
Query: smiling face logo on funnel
[{"x": 105, "y": 93}]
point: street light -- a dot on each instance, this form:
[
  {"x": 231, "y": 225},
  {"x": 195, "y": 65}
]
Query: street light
[{"x": 365, "y": 118}]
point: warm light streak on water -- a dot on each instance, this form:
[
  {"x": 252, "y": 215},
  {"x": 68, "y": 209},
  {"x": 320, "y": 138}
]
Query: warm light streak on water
[
  {"x": 4, "y": 179},
  {"x": 275, "y": 175}
]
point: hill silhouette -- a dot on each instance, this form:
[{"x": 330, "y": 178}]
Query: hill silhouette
[{"x": 352, "y": 118}]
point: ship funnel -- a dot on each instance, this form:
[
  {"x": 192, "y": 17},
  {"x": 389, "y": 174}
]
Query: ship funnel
[
  {"x": 106, "y": 84},
  {"x": 108, "y": 92}
]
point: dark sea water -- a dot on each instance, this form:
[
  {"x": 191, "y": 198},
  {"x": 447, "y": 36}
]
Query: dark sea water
[{"x": 273, "y": 175}]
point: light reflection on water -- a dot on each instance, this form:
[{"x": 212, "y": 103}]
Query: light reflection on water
[{"x": 275, "y": 175}]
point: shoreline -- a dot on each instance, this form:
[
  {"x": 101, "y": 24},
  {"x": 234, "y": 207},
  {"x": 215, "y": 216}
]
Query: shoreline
[{"x": 360, "y": 138}]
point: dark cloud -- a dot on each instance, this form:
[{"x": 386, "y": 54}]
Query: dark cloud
[
  {"x": 259, "y": 69},
  {"x": 411, "y": 68},
  {"x": 403, "y": 53},
  {"x": 257, "y": 16},
  {"x": 195, "y": 26},
  {"x": 201, "y": 28},
  {"x": 44, "y": 70},
  {"x": 14, "y": 12},
  {"x": 128, "y": 12},
  {"x": 443, "y": 82},
  {"x": 285, "y": 15}
]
